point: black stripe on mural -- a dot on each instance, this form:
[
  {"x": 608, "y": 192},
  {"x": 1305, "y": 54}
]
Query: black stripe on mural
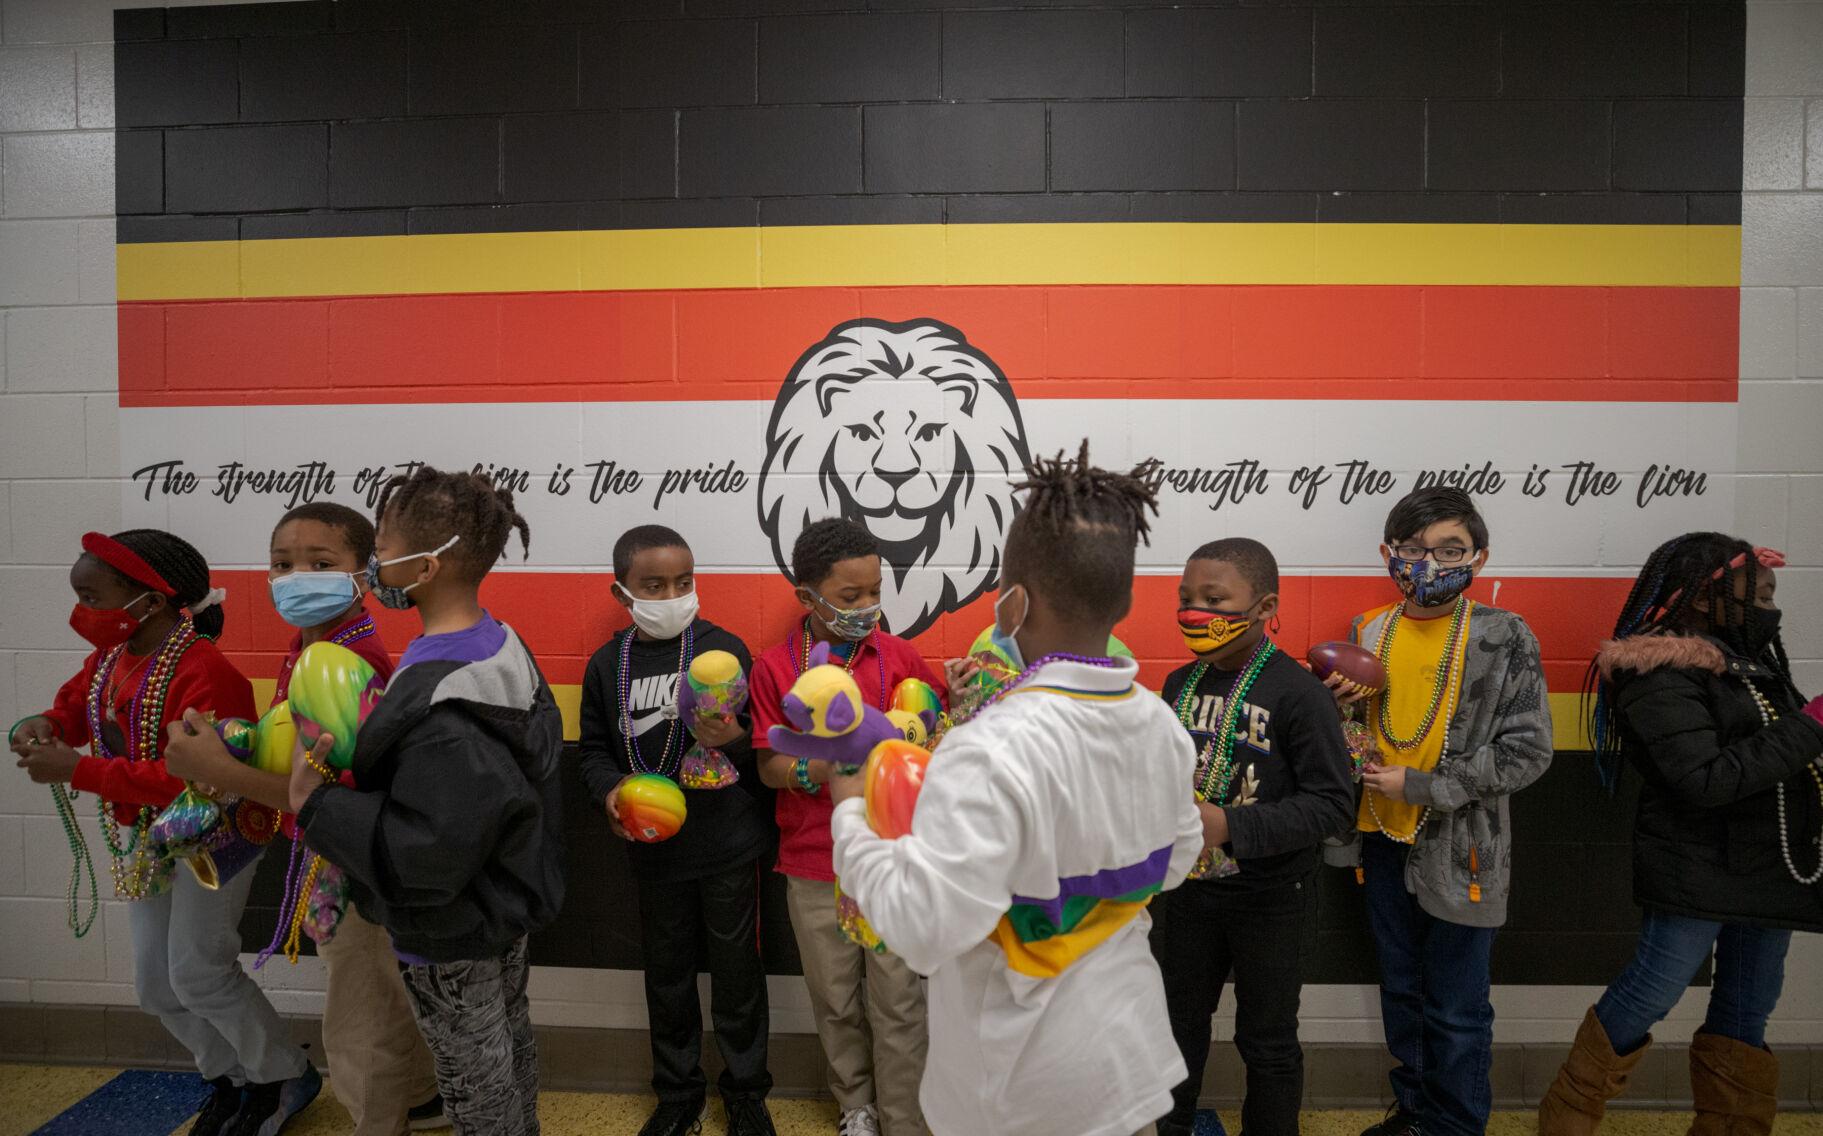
[
  {"x": 316, "y": 119},
  {"x": 338, "y": 119}
]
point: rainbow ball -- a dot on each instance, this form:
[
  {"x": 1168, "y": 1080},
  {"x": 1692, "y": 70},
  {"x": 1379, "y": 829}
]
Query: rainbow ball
[
  {"x": 650, "y": 807},
  {"x": 893, "y": 778},
  {"x": 915, "y": 696}
]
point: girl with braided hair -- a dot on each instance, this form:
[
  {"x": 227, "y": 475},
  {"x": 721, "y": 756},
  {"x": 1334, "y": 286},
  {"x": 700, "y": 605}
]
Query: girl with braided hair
[
  {"x": 1046, "y": 823},
  {"x": 451, "y": 835},
  {"x": 145, "y": 602},
  {"x": 1695, "y": 692}
]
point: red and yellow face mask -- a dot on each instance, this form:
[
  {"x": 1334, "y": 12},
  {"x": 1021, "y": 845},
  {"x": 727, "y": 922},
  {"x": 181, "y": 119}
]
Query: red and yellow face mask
[{"x": 1206, "y": 630}]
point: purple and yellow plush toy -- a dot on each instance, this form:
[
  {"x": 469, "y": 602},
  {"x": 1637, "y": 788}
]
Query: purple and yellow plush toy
[
  {"x": 714, "y": 687},
  {"x": 829, "y": 720}
]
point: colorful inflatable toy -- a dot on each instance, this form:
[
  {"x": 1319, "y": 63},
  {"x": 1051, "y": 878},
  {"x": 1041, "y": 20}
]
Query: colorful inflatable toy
[
  {"x": 650, "y": 807},
  {"x": 332, "y": 691}
]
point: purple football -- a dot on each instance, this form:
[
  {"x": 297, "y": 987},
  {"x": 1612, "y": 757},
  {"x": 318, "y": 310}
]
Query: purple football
[{"x": 1356, "y": 664}]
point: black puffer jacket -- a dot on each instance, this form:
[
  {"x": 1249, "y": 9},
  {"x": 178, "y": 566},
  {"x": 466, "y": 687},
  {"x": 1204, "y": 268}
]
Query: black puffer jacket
[
  {"x": 1706, "y": 838},
  {"x": 454, "y": 842}
]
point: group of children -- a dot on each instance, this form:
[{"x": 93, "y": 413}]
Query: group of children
[{"x": 1026, "y": 988}]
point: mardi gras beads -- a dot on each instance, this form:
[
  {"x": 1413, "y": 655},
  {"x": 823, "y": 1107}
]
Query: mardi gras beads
[
  {"x": 1216, "y": 766},
  {"x": 1459, "y": 622},
  {"x": 138, "y": 870},
  {"x": 1767, "y": 716}
]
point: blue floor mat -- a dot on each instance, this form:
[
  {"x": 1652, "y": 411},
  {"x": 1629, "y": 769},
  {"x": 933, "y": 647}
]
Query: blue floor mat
[{"x": 139, "y": 1102}]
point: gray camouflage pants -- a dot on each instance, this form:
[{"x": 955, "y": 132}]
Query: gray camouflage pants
[{"x": 478, "y": 1023}]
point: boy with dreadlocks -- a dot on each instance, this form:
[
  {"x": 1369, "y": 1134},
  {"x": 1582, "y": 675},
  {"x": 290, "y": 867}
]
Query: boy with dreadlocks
[
  {"x": 453, "y": 839},
  {"x": 1273, "y": 777},
  {"x": 1695, "y": 692},
  {"x": 1046, "y": 823},
  {"x": 144, "y": 601},
  {"x": 1462, "y": 725}
]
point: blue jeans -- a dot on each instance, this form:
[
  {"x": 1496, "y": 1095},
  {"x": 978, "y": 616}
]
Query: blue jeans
[
  {"x": 1433, "y": 999},
  {"x": 1749, "y": 974}
]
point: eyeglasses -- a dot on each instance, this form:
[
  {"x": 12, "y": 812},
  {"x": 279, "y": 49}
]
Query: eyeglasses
[{"x": 1443, "y": 554}]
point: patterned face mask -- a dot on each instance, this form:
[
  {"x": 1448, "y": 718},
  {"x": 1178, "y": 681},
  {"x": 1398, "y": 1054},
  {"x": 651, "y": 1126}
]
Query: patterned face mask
[
  {"x": 1205, "y": 629},
  {"x": 852, "y": 623},
  {"x": 1427, "y": 583},
  {"x": 399, "y": 598}
]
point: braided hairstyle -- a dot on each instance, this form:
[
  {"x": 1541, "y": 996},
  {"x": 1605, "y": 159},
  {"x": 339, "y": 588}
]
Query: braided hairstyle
[
  {"x": 184, "y": 568},
  {"x": 1076, "y": 534},
  {"x": 1663, "y": 602},
  {"x": 428, "y": 506}
]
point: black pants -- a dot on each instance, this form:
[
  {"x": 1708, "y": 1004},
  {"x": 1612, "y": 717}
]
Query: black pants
[
  {"x": 1207, "y": 932},
  {"x": 724, "y": 909}
]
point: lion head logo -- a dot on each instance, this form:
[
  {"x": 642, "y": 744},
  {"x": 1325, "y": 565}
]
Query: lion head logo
[{"x": 911, "y": 431}]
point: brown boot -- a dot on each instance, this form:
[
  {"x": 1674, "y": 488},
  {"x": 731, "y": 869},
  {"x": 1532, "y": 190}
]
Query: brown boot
[
  {"x": 1592, "y": 1076},
  {"x": 1734, "y": 1086}
]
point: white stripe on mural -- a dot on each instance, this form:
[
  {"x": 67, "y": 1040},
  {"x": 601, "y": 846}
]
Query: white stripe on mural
[{"x": 1568, "y": 488}]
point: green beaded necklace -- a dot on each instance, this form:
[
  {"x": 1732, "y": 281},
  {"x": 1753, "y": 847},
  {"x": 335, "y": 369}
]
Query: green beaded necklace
[
  {"x": 1459, "y": 622},
  {"x": 1217, "y": 760}
]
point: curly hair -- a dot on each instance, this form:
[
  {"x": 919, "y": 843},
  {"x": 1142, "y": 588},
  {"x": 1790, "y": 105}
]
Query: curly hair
[{"x": 429, "y": 506}]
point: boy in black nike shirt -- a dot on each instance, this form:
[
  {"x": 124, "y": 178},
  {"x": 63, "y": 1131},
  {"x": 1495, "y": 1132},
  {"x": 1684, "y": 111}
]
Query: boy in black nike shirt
[
  {"x": 707, "y": 876},
  {"x": 1268, "y": 799}
]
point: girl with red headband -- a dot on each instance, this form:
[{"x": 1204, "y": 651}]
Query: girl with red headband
[
  {"x": 144, "y": 601},
  {"x": 1695, "y": 691}
]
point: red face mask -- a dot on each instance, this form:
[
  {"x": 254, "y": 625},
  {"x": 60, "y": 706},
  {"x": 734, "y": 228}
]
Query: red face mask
[{"x": 105, "y": 626}]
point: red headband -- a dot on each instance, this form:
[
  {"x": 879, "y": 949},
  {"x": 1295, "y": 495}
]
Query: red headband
[
  {"x": 124, "y": 560},
  {"x": 1765, "y": 557}
]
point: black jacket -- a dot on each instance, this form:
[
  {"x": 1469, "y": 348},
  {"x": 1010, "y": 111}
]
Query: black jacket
[
  {"x": 1706, "y": 837},
  {"x": 723, "y": 828},
  {"x": 1289, "y": 741},
  {"x": 454, "y": 843}
]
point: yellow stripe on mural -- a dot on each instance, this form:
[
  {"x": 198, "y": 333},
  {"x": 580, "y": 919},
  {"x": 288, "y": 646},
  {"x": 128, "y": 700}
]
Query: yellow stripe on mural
[
  {"x": 934, "y": 255},
  {"x": 1566, "y": 721}
]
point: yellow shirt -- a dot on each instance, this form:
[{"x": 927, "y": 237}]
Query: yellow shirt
[{"x": 1411, "y": 680}]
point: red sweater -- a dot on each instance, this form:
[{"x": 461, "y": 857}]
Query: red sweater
[
  {"x": 806, "y": 847},
  {"x": 205, "y": 680}
]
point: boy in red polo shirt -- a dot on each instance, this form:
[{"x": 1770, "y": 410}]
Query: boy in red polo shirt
[
  {"x": 874, "y": 1044},
  {"x": 380, "y": 1067}
]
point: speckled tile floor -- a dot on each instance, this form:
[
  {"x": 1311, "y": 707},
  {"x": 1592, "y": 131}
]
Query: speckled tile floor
[{"x": 31, "y": 1095}]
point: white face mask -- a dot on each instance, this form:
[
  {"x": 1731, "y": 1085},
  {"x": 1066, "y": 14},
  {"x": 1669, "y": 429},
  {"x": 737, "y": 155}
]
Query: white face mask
[{"x": 662, "y": 619}]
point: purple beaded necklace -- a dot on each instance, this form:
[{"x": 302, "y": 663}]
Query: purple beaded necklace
[
  {"x": 1102, "y": 661},
  {"x": 668, "y": 761}
]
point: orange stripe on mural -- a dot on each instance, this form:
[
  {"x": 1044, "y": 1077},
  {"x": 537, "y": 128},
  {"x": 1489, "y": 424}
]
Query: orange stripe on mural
[
  {"x": 565, "y": 616},
  {"x": 1135, "y": 341}
]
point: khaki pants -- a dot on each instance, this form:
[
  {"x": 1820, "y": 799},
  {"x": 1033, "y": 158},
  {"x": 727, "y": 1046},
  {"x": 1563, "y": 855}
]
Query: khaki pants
[
  {"x": 379, "y": 1066},
  {"x": 869, "y": 1012}
]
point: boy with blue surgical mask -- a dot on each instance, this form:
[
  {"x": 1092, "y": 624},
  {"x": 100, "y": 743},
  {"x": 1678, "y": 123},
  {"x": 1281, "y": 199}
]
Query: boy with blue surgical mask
[
  {"x": 875, "y": 1043},
  {"x": 380, "y": 1067},
  {"x": 1463, "y": 723},
  {"x": 702, "y": 883}
]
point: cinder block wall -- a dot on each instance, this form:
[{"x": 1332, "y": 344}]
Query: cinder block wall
[{"x": 1054, "y": 103}]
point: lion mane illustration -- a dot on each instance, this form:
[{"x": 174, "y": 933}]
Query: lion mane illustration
[{"x": 913, "y": 432}]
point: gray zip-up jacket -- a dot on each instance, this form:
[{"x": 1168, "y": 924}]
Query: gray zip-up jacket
[{"x": 1499, "y": 742}]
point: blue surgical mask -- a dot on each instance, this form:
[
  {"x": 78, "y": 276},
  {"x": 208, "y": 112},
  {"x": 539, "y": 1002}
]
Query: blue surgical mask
[
  {"x": 1007, "y": 642},
  {"x": 850, "y": 623},
  {"x": 399, "y": 598},
  {"x": 310, "y": 599},
  {"x": 1428, "y": 584}
]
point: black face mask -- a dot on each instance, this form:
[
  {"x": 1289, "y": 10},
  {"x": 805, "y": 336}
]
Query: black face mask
[{"x": 1758, "y": 628}]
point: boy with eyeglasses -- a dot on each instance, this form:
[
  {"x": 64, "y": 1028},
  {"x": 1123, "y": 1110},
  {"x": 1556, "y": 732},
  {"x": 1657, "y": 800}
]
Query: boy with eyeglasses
[{"x": 1464, "y": 722}]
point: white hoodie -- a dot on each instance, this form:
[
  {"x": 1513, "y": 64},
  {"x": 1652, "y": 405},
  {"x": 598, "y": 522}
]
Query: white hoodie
[{"x": 1046, "y": 1018}]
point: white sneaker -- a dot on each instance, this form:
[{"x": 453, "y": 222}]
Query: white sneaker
[{"x": 863, "y": 1121}]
